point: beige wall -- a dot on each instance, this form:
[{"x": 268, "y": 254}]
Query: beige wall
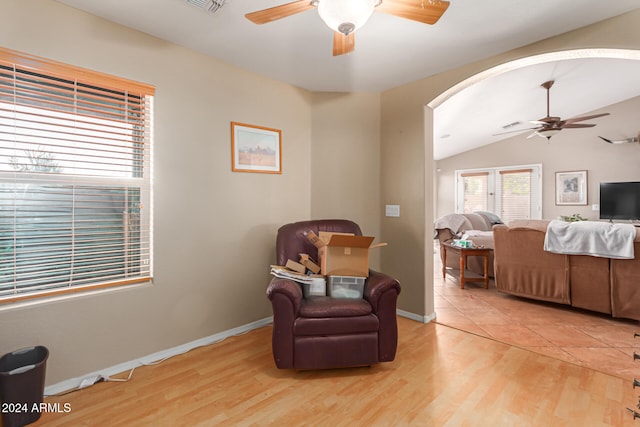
[
  {"x": 214, "y": 229},
  {"x": 345, "y": 161},
  {"x": 579, "y": 149},
  {"x": 407, "y": 135}
]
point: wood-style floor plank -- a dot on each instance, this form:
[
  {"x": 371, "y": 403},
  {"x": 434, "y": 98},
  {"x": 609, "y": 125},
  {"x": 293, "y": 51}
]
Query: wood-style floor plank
[{"x": 441, "y": 377}]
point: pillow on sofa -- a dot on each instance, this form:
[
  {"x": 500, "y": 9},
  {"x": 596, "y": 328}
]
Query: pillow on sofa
[
  {"x": 478, "y": 222},
  {"x": 491, "y": 217}
]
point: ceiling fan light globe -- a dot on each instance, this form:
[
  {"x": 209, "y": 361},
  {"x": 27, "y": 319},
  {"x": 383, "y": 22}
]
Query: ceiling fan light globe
[
  {"x": 345, "y": 16},
  {"x": 547, "y": 133}
]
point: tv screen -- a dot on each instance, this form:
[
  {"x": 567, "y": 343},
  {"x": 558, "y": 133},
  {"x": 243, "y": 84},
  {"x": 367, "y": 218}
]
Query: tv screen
[{"x": 620, "y": 200}]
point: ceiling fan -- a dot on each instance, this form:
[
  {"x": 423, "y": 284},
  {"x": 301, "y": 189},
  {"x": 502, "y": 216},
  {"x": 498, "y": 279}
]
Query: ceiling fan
[
  {"x": 630, "y": 140},
  {"x": 344, "y": 17},
  {"x": 551, "y": 125}
]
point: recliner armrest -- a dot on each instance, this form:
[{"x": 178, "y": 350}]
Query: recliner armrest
[
  {"x": 382, "y": 293},
  {"x": 287, "y": 288},
  {"x": 376, "y": 285},
  {"x": 286, "y": 298}
]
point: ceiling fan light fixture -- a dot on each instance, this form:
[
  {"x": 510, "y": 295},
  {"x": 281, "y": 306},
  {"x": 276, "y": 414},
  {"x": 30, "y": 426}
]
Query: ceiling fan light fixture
[
  {"x": 547, "y": 133},
  {"x": 345, "y": 16}
]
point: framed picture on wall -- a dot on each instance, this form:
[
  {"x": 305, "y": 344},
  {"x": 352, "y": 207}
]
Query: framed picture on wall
[
  {"x": 571, "y": 188},
  {"x": 255, "y": 149}
]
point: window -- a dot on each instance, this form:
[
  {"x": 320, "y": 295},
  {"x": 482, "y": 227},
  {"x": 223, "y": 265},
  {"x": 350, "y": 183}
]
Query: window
[
  {"x": 75, "y": 187},
  {"x": 509, "y": 192},
  {"x": 475, "y": 191},
  {"x": 515, "y": 194}
]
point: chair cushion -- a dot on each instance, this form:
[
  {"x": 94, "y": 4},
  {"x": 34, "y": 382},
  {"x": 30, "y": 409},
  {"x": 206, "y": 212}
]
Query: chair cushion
[
  {"x": 325, "y": 326},
  {"x": 334, "y": 307}
]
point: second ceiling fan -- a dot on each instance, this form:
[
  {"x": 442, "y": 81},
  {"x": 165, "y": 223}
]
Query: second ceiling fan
[
  {"x": 344, "y": 17},
  {"x": 551, "y": 125}
]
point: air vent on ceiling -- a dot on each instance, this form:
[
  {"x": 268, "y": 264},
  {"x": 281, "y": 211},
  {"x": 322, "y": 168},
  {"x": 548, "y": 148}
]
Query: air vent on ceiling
[
  {"x": 510, "y": 125},
  {"x": 211, "y": 6}
]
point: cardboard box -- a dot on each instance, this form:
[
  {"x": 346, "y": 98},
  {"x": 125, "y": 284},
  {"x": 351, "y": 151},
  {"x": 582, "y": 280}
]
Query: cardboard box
[
  {"x": 309, "y": 264},
  {"x": 343, "y": 254},
  {"x": 295, "y": 266}
]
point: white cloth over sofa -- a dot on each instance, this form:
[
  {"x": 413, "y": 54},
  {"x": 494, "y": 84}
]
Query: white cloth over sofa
[{"x": 599, "y": 239}]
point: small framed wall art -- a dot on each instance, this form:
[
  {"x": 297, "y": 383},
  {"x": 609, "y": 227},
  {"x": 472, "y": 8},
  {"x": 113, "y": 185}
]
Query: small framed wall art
[
  {"x": 255, "y": 149},
  {"x": 571, "y": 188}
]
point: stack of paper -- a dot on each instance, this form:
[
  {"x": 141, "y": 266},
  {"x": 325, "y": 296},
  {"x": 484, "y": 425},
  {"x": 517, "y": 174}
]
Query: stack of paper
[{"x": 285, "y": 273}]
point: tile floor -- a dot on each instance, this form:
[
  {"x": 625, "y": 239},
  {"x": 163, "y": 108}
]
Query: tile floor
[{"x": 579, "y": 336}]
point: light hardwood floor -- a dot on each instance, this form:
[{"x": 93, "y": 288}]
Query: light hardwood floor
[{"x": 441, "y": 377}]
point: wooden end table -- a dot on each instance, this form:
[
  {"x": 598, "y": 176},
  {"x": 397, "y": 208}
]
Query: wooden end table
[{"x": 464, "y": 253}]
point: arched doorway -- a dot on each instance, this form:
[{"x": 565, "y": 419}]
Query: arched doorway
[{"x": 494, "y": 72}]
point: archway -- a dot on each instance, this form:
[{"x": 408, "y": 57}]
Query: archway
[{"x": 429, "y": 117}]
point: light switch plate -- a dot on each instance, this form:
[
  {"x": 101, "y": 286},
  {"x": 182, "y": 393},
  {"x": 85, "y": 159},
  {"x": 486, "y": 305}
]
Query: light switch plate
[{"x": 392, "y": 210}]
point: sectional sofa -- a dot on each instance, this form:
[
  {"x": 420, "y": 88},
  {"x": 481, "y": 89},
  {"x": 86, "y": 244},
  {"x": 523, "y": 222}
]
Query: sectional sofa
[{"x": 522, "y": 267}]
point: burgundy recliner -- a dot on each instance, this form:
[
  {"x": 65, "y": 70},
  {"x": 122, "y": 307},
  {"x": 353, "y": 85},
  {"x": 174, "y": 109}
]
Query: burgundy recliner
[{"x": 324, "y": 332}]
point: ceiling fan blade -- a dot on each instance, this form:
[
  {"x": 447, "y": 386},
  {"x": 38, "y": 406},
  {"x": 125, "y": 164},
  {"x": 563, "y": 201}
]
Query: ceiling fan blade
[
  {"x": 580, "y": 119},
  {"x": 576, "y": 126},
  {"x": 343, "y": 44},
  {"x": 545, "y": 121},
  {"x": 631, "y": 140},
  {"x": 416, "y": 10},
  {"x": 532, "y": 134},
  {"x": 279, "y": 12}
]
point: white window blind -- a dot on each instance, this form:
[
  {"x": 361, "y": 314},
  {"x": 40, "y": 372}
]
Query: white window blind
[
  {"x": 475, "y": 191},
  {"x": 75, "y": 187},
  {"x": 511, "y": 192},
  {"x": 515, "y": 194}
]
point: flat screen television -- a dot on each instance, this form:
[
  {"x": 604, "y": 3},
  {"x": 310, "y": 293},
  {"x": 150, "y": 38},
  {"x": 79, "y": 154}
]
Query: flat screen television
[{"x": 620, "y": 200}]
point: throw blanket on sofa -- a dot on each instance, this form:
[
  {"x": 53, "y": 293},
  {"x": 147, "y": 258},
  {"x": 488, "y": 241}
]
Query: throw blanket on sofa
[
  {"x": 451, "y": 222},
  {"x": 600, "y": 239}
]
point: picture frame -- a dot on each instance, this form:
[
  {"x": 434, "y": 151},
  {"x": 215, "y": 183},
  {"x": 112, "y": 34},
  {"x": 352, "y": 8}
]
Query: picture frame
[
  {"x": 571, "y": 188},
  {"x": 255, "y": 149}
]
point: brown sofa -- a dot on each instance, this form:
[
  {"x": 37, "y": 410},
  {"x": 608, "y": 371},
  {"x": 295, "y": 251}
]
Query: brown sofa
[
  {"x": 522, "y": 267},
  {"x": 448, "y": 226}
]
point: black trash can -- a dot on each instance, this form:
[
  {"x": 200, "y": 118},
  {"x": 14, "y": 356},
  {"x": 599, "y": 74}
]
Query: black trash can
[{"x": 22, "y": 375}]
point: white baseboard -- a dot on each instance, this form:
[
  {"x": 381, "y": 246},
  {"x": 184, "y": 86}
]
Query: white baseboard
[
  {"x": 74, "y": 383},
  {"x": 416, "y": 317}
]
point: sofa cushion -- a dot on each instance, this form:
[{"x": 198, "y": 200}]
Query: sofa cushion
[
  {"x": 334, "y": 307},
  {"x": 530, "y": 224}
]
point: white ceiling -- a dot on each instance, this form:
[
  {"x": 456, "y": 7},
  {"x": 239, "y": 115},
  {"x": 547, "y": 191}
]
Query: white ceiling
[{"x": 392, "y": 51}]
